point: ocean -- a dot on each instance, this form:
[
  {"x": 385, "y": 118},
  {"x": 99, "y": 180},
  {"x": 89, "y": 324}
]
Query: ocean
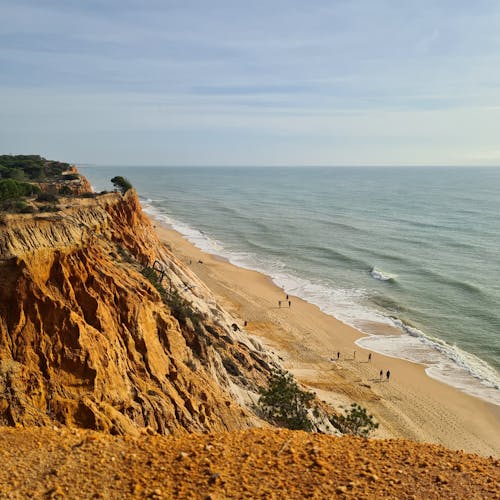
[{"x": 410, "y": 252}]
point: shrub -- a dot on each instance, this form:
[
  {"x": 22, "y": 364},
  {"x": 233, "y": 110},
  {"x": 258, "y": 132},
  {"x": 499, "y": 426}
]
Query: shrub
[
  {"x": 32, "y": 167},
  {"x": 285, "y": 403},
  {"x": 11, "y": 189},
  {"x": 70, "y": 177},
  {"x": 65, "y": 191},
  {"x": 47, "y": 197},
  {"x": 121, "y": 183},
  {"x": 49, "y": 208},
  {"x": 28, "y": 209},
  {"x": 151, "y": 275},
  {"x": 356, "y": 421}
]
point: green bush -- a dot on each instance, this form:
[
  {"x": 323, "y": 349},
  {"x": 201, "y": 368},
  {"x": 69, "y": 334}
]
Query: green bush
[
  {"x": 284, "y": 403},
  {"x": 70, "y": 177},
  {"x": 11, "y": 189},
  {"x": 12, "y": 173},
  {"x": 47, "y": 197},
  {"x": 356, "y": 421},
  {"x": 27, "y": 209},
  {"x": 65, "y": 191},
  {"x": 32, "y": 167}
]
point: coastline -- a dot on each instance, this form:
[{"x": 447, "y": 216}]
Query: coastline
[{"x": 411, "y": 405}]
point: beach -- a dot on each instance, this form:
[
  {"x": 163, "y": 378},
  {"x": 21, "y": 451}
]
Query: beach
[{"x": 410, "y": 405}]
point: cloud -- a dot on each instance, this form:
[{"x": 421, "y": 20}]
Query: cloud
[
  {"x": 425, "y": 43},
  {"x": 333, "y": 80}
]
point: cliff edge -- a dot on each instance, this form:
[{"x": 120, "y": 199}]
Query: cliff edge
[{"x": 89, "y": 339}]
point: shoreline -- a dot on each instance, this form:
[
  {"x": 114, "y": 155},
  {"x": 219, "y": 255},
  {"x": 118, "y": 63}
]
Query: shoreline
[
  {"x": 410, "y": 405},
  {"x": 384, "y": 334}
]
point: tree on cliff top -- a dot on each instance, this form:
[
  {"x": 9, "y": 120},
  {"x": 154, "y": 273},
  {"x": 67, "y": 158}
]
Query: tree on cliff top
[
  {"x": 31, "y": 167},
  {"x": 121, "y": 183}
]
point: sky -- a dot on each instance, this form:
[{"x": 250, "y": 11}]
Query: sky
[{"x": 230, "y": 82}]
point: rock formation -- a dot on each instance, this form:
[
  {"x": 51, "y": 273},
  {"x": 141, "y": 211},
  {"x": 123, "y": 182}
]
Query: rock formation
[{"x": 87, "y": 340}]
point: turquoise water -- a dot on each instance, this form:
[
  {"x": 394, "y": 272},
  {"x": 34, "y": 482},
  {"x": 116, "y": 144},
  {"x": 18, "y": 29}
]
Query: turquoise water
[{"x": 413, "y": 248}]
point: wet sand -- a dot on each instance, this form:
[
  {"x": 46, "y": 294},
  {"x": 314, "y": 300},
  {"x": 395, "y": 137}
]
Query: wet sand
[{"x": 410, "y": 405}]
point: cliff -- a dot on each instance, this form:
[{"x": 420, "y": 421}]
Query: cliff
[
  {"x": 102, "y": 328},
  {"x": 87, "y": 340}
]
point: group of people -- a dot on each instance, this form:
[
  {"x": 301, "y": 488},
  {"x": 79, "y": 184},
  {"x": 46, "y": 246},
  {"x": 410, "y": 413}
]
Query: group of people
[
  {"x": 285, "y": 302},
  {"x": 381, "y": 373}
]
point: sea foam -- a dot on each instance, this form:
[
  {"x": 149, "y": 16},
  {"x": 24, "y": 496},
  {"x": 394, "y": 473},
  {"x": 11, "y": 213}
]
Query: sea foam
[{"x": 381, "y": 275}]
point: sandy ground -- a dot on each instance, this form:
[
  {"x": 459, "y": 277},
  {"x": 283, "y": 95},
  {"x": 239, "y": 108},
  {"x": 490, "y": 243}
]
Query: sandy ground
[
  {"x": 410, "y": 405},
  {"x": 257, "y": 463}
]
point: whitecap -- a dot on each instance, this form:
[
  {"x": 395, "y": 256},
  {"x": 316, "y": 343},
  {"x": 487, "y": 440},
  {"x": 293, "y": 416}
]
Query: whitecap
[{"x": 381, "y": 275}]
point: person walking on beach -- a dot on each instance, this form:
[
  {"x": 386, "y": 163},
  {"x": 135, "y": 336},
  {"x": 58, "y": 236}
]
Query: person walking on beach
[
  {"x": 354, "y": 355},
  {"x": 338, "y": 355},
  {"x": 287, "y": 297},
  {"x": 369, "y": 357},
  {"x": 279, "y": 304},
  {"x": 289, "y": 304},
  {"x": 381, "y": 374},
  {"x": 388, "y": 375}
]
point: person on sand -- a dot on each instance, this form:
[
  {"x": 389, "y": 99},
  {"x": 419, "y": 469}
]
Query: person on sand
[
  {"x": 338, "y": 355},
  {"x": 369, "y": 357},
  {"x": 279, "y": 304},
  {"x": 289, "y": 304},
  {"x": 388, "y": 375},
  {"x": 381, "y": 374},
  {"x": 354, "y": 355}
]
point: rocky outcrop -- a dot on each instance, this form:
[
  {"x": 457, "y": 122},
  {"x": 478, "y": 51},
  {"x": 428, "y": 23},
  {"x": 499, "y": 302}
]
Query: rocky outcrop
[
  {"x": 70, "y": 181},
  {"x": 87, "y": 340}
]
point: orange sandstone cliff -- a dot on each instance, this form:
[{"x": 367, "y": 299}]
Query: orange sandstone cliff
[{"x": 86, "y": 339}]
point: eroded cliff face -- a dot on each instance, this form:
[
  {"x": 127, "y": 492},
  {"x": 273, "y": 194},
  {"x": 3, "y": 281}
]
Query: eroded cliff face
[{"x": 86, "y": 339}]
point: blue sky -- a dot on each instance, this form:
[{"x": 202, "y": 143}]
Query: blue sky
[{"x": 230, "y": 82}]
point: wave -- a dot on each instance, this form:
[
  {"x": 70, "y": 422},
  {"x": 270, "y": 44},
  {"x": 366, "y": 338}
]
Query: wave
[
  {"x": 382, "y": 275},
  {"x": 443, "y": 361},
  {"x": 458, "y": 284},
  {"x": 335, "y": 255}
]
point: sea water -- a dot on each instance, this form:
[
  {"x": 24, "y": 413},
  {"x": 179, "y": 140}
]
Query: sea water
[{"x": 410, "y": 256}]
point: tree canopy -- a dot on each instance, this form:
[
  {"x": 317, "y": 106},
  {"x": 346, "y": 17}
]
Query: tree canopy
[
  {"x": 30, "y": 167},
  {"x": 11, "y": 189},
  {"x": 121, "y": 183}
]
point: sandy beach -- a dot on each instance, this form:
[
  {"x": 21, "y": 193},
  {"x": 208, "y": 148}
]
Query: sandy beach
[{"x": 410, "y": 405}]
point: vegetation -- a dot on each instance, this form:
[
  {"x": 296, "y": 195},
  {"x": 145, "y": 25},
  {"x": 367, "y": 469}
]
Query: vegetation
[
  {"x": 18, "y": 175},
  {"x": 71, "y": 177},
  {"x": 47, "y": 197},
  {"x": 181, "y": 309},
  {"x": 65, "y": 191},
  {"x": 30, "y": 167},
  {"x": 121, "y": 183},
  {"x": 285, "y": 403},
  {"x": 152, "y": 276},
  {"x": 11, "y": 189},
  {"x": 356, "y": 421}
]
